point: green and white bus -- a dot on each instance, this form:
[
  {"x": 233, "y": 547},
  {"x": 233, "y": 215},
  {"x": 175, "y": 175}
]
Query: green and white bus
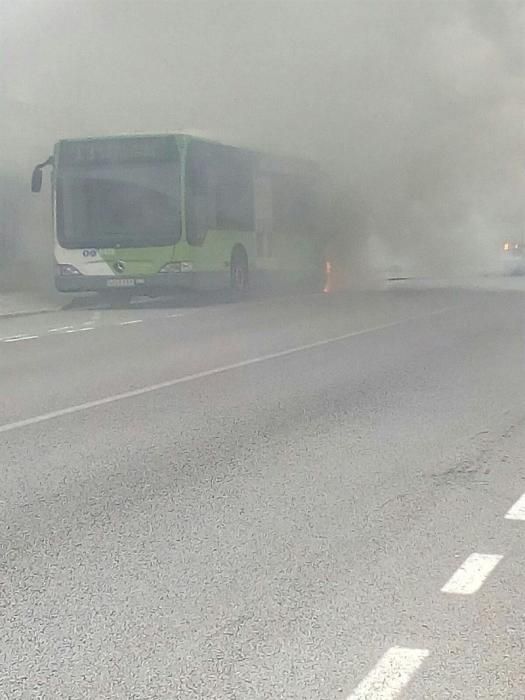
[{"x": 143, "y": 214}]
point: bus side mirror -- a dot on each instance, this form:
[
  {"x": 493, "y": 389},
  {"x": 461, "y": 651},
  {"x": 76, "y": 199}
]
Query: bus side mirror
[{"x": 36, "y": 179}]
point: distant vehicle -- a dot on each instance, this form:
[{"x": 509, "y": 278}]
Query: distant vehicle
[
  {"x": 143, "y": 214},
  {"x": 513, "y": 257}
]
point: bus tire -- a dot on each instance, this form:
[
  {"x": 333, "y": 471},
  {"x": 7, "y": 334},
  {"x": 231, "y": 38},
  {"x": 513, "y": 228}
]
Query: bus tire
[{"x": 239, "y": 271}]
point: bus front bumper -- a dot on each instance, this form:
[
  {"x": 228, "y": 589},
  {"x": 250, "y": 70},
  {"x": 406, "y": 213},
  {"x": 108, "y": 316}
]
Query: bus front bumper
[{"x": 135, "y": 285}]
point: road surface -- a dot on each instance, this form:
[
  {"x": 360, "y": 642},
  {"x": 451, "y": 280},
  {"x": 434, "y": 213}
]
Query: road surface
[{"x": 298, "y": 498}]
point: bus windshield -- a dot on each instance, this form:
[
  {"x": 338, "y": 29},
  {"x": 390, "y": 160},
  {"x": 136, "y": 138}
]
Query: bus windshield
[{"x": 123, "y": 204}]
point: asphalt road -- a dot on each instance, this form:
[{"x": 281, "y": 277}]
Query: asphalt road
[{"x": 297, "y": 498}]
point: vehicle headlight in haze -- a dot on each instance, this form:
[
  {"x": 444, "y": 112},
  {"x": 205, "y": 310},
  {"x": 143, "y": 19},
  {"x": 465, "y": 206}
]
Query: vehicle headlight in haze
[
  {"x": 182, "y": 266},
  {"x": 67, "y": 270}
]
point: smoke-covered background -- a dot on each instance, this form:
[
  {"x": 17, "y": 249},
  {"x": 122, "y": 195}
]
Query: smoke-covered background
[{"x": 415, "y": 109}]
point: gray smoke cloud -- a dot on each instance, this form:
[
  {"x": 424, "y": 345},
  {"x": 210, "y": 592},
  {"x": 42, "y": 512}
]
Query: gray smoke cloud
[{"x": 415, "y": 110}]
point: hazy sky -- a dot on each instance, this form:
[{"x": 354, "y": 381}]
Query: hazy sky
[{"x": 417, "y": 109}]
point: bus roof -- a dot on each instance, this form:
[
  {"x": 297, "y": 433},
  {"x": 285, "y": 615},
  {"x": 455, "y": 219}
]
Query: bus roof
[{"x": 203, "y": 136}]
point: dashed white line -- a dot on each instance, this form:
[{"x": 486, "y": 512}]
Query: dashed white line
[
  {"x": 175, "y": 315},
  {"x": 19, "y": 338},
  {"x": 77, "y": 408},
  {"x": 472, "y": 574},
  {"x": 390, "y": 675},
  {"x": 517, "y": 512},
  {"x": 86, "y": 326}
]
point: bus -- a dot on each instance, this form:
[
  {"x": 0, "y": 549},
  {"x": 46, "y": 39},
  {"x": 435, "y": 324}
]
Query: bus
[{"x": 139, "y": 215}]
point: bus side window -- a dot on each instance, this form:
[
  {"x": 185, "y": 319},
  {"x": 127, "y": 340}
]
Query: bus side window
[
  {"x": 294, "y": 206},
  {"x": 235, "y": 208},
  {"x": 219, "y": 191}
]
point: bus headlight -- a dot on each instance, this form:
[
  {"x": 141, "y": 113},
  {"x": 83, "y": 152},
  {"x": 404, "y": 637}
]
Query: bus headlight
[
  {"x": 67, "y": 269},
  {"x": 177, "y": 267}
]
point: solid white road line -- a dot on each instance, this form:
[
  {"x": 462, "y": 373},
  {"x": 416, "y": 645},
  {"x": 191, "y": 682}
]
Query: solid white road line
[
  {"x": 472, "y": 574},
  {"x": 517, "y": 512},
  {"x": 208, "y": 373},
  {"x": 130, "y": 323},
  {"x": 390, "y": 675},
  {"x": 21, "y": 337}
]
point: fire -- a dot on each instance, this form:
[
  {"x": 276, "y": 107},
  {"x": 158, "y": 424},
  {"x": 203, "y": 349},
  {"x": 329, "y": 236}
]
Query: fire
[{"x": 328, "y": 277}]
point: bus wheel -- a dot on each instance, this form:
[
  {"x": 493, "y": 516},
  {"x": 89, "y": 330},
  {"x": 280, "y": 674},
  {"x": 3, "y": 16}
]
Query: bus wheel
[{"x": 239, "y": 272}]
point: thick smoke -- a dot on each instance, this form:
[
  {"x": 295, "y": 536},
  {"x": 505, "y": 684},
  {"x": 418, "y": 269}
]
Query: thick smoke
[{"x": 414, "y": 109}]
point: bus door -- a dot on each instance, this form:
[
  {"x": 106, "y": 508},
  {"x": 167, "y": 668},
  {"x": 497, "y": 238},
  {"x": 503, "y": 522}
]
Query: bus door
[{"x": 264, "y": 221}]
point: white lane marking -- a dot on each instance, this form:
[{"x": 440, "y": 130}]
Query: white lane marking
[
  {"x": 130, "y": 323},
  {"x": 80, "y": 330},
  {"x": 175, "y": 315},
  {"x": 16, "y": 339},
  {"x": 59, "y": 330},
  {"x": 208, "y": 373},
  {"x": 517, "y": 512},
  {"x": 390, "y": 675},
  {"x": 472, "y": 574}
]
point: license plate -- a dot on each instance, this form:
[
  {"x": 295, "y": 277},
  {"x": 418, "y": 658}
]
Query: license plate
[{"x": 120, "y": 283}]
